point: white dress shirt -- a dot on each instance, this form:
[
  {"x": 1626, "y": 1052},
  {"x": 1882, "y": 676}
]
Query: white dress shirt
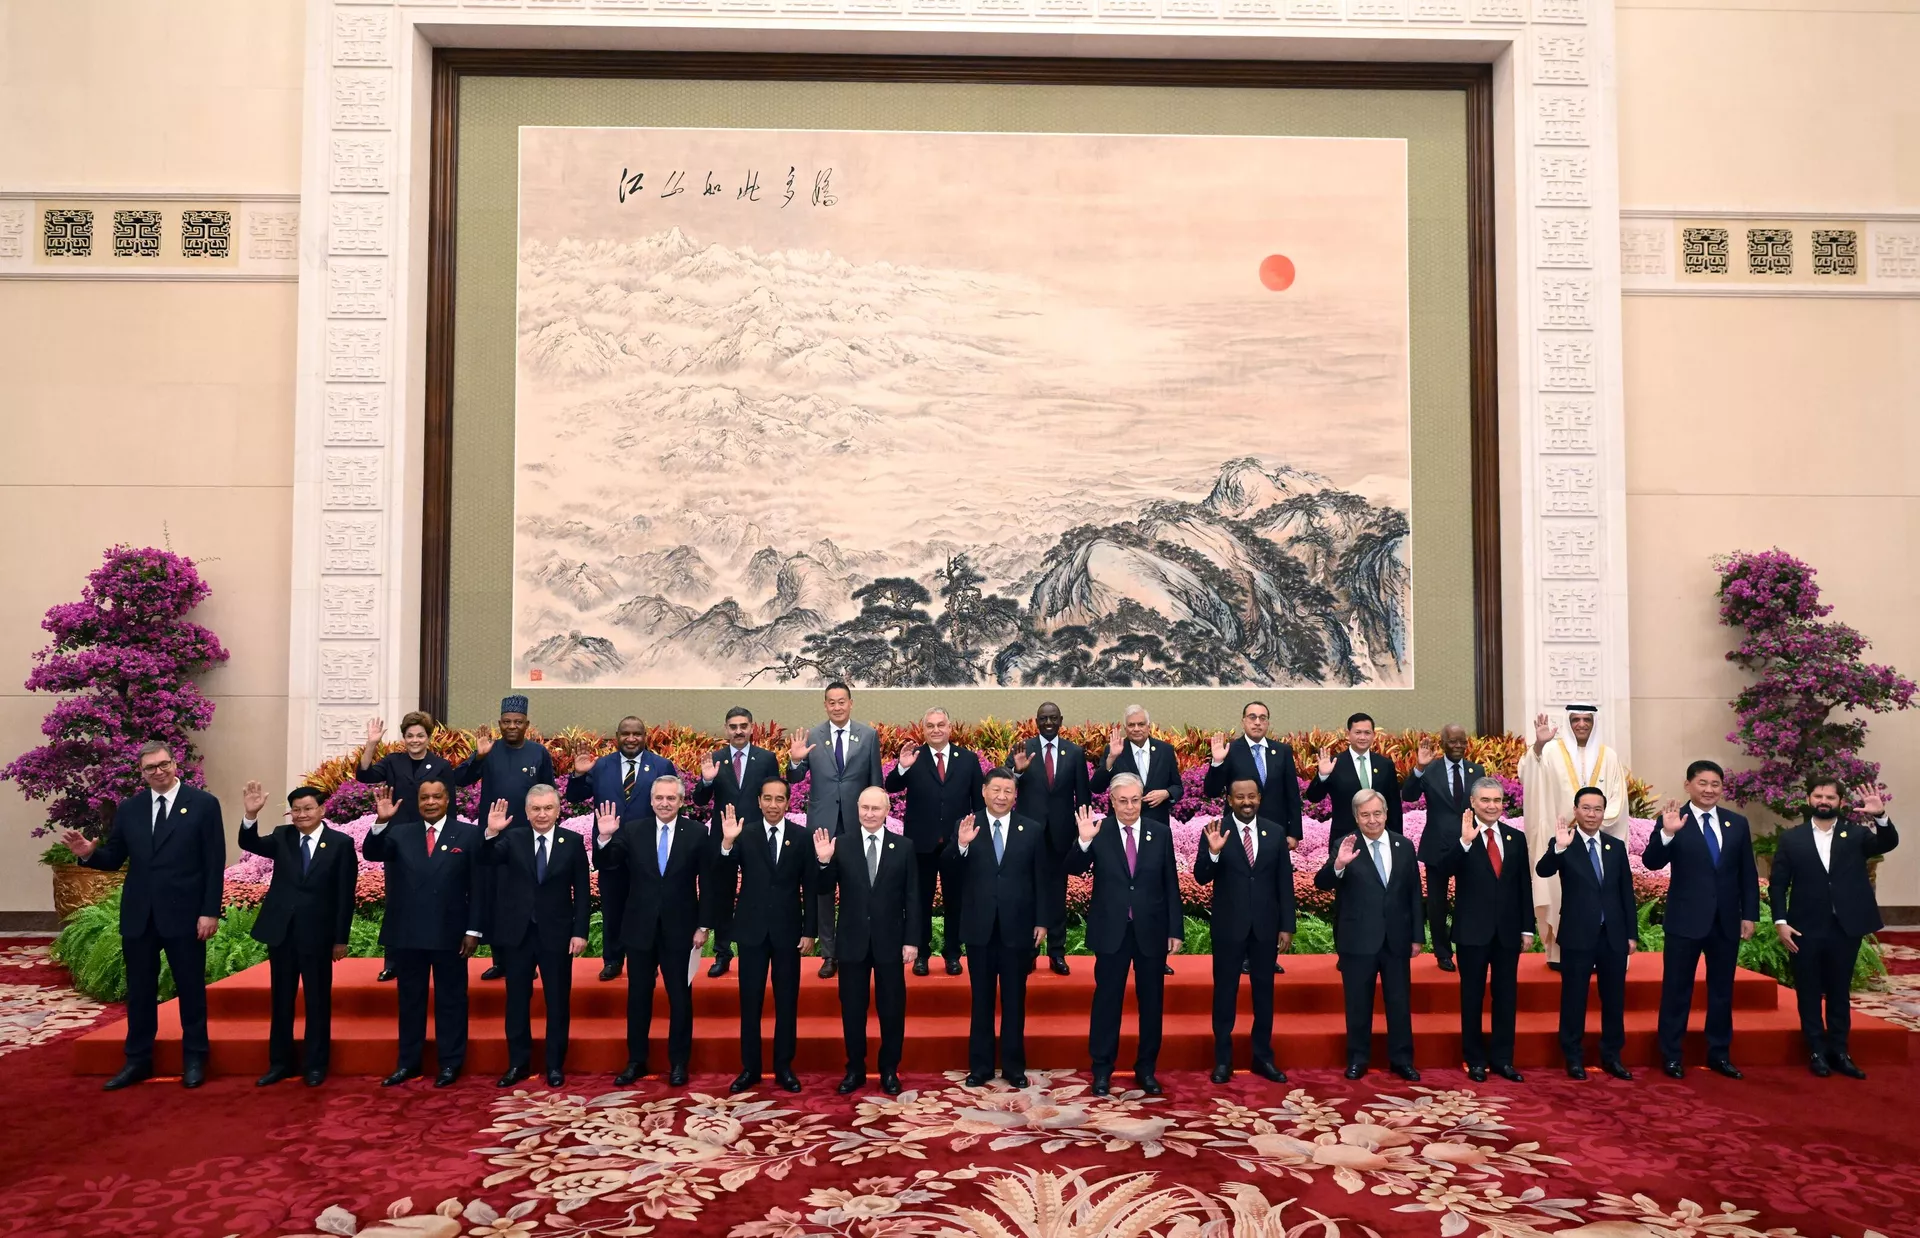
[
  {"x": 1142, "y": 758},
  {"x": 1383, "y": 861},
  {"x": 1710, "y": 820}
]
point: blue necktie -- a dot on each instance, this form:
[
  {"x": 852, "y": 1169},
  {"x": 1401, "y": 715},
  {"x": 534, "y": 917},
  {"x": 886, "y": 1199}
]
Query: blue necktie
[
  {"x": 1599, "y": 876},
  {"x": 540, "y": 860},
  {"x": 839, "y": 753},
  {"x": 1260, "y": 761},
  {"x": 999, "y": 844},
  {"x": 666, "y": 845},
  {"x": 1713, "y": 844}
]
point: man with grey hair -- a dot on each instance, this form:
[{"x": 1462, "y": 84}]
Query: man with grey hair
[
  {"x": 1132, "y": 749},
  {"x": 1493, "y": 923},
  {"x": 943, "y": 784},
  {"x": 542, "y": 902},
  {"x": 1377, "y": 929}
]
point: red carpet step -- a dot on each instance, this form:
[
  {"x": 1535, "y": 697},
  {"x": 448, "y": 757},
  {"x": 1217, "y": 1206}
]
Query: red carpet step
[{"x": 1309, "y": 1028}]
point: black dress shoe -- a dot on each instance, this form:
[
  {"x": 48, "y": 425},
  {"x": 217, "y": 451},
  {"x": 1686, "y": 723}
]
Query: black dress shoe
[
  {"x": 1269, "y": 1072},
  {"x": 1222, "y": 1074},
  {"x": 829, "y": 968},
  {"x": 1102, "y": 1085},
  {"x": 920, "y": 965},
  {"x": 556, "y": 1078},
  {"x": 273, "y": 1076},
  {"x": 193, "y": 1074},
  {"x": 1167, "y": 968},
  {"x": 1059, "y": 964},
  {"x": 788, "y": 1081},
  {"x": 316, "y": 1077},
  {"x": 1576, "y": 1071},
  {"x": 1724, "y": 1066},
  {"x": 719, "y": 967},
  {"x": 629, "y": 1073},
  {"x": 1018, "y": 1082},
  {"x": 1613, "y": 1067},
  {"x": 744, "y": 1080},
  {"x": 130, "y": 1074},
  {"x": 1406, "y": 1072},
  {"x": 493, "y": 973},
  {"x": 1674, "y": 1070},
  {"x": 1356, "y": 1070},
  {"x": 400, "y": 1076},
  {"x": 1477, "y": 1073},
  {"x": 953, "y": 967},
  {"x": 1845, "y": 1065},
  {"x": 1508, "y": 1073},
  {"x": 610, "y": 971},
  {"x": 677, "y": 1076},
  {"x": 448, "y": 1076},
  {"x": 1818, "y": 1065},
  {"x": 853, "y": 1082},
  {"x": 890, "y": 1084},
  {"x": 1550, "y": 967},
  {"x": 386, "y": 974},
  {"x": 1279, "y": 970},
  {"x": 1148, "y": 1084},
  {"x": 1446, "y": 965},
  {"x": 514, "y": 1075},
  {"x": 977, "y": 1080}
]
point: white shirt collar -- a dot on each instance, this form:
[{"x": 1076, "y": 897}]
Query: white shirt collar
[
  {"x": 659, "y": 825},
  {"x": 997, "y": 822},
  {"x": 548, "y": 835},
  {"x": 770, "y": 826},
  {"x": 313, "y": 833},
  {"x": 1125, "y": 826},
  {"x": 441, "y": 824}
]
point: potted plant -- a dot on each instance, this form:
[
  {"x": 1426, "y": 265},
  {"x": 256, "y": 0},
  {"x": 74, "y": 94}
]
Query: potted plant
[{"x": 122, "y": 658}]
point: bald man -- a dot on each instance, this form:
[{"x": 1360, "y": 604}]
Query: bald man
[{"x": 879, "y": 929}]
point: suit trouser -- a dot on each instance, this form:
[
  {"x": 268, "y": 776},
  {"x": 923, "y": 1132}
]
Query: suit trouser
[
  {"x": 1437, "y": 885},
  {"x": 951, "y": 877},
  {"x": 615, "y": 884},
  {"x": 722, "y": 935},
  {"x": 1259, "y": 955},
  {"x": 292, "y": 969},
  {"x": 1002, "y": 962},
  {"x": 1109, "y": 999},
  {"x": 1475, "y": 964},
  {"x": 187, "y": 956},
  {"x": 1682, "y": 958},
  {"x": 756, "y": 961},
  {"x": 1823, "y": 975},
  {"x": 1357, "y": 972},
  {"x": 1607, "y": 961},
  {"x": 667, "y": 962},
  {"x": 1056, "y": 891},
  {"x": 556, "y": 985},
  {"x": 449, "y": 972},
  {"x": 890, "y": 1000}
]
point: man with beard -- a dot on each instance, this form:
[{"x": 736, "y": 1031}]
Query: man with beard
[
  {"x": 731, "y": 775},
  {"x": 1002, "y": 896},
  {"x": 623, "y": 778},
  {"x": 1246, "y": 861},
  {"x": 1441, "y": 779},
  {"x": 505, "y": 770},
  {"x": 1052, "y": 776}
]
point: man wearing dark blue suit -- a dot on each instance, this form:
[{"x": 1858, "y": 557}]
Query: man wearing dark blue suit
[
  {"x": 1599, "y": 928},
  {"x": 731, "y": 776},
  {"x": 1377, "y": 929},
  {"x": 171, "y": 840},
  {"x": 1247, "y": 863},
  {"x": 1052, "y": 775},
  {"x": 505, "y": 770},
  {"x": 1003, "y": 890},
  {"x": 1823, "y": 905},
  {"x": 1493, "y": 925},
  {"x": 1713, "y": 900},
  {"x": 943, "y": 784},
  {"x": 540, "y": 923},
  {"x": 432, "y": 923},
  {"x": 1268, "y": 763},
  {"x": 624, "y": 779}
]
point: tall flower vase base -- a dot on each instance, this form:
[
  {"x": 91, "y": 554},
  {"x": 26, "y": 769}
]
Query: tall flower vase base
[{"x": 76, "y": 886}]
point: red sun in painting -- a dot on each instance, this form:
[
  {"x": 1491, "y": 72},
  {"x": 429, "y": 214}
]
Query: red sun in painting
[{"x": 1276, "y": 272}]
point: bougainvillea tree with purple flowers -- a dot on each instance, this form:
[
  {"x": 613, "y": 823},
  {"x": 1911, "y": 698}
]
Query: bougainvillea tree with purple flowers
[
  {"x": 1802, "y": 713},
  {"x": 125, "y": 653}
]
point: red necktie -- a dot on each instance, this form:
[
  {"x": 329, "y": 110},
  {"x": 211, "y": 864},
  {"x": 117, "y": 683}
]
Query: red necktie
[
  {"x": 1049, "y": 762},
  {"x": 1246, "y": 832},
  {"x": 1493, "y": 853},
  {"x": 429, "y": 840},
  {"x": 940, "y": 765}
]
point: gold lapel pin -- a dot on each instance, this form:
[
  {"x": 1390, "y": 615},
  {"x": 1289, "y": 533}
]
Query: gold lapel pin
[
  {"x": 443, "y": 846},
  {"x": 1147, "y": 836},
  {"x": 1020, "y": 828},
  {"x": 1843, "y": 833},
  {"x": 1263, "y": 833},
  {"x": 323, "y": 844}
]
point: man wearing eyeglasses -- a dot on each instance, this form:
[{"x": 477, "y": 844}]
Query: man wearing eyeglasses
[{"x": 175, "y": 848}]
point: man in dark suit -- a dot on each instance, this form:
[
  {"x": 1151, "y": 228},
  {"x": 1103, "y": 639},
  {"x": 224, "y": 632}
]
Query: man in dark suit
[
  {"x": 175, "y": 848},
  {"x": 1357, "y": 769},
  {"x": 1132, "y": 749},
  {"x": 1246, "y": 861},
  {"x": 623, "y": 778},
  {"x": 1268, "y": 763},
  {"x": 1493, "y": 922},
  {"x": 1052, "y": 776},
  {"x": 731, "y": 776},
  {"x": 773, "y": 925},
  {"x": 668, "y": 861},
  {"x": 541, "y": 913},
  {"x": 840, "y": 759},
  {"x": 943, "y": 784},
  {"x": 1713, "y": 900},
  {"x": 506, "y": 770},
  {"x": 879, "y": 889},
  {"x": 1599, "y": 928},
  {"x": 304, "y": 921},
  {"x": 1441, "y": 779},
  {"x": 1002, "y": 858},
  {"x": 1376, "y": 931},
  {"x": 1823, "y": 905},
  {"x": 1133, "y": 923},
  {"x": 432, "y": 922}
]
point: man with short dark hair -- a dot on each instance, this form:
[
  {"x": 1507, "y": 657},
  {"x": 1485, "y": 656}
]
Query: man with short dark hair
[
  {"x": 1493, "y": 924},
  {"x": 1376, "y": 931},
  {"x": 623, "y": 778},
  {"x": 1600, "y": 927},
  {"x": 1002, "y": 900},
  {"x": 305, "y": 921},
  {"x": 731, "y": 775},
  {"x": 1441, "y": 779},
  {"x": 1359, "y": 768},
  {"x": 171, "y": 840},
  {"x": 505, "y": 770},
  {"x": 1823, "y": 905},
  {"x": 840, "y": 758},
  {"x": 773, "y": 925},
  {"x": 540, "y": 923},
  {"x": 1713, "y": 900},
  {"x": 1268, "y": 763},
  {"x": 1052, "y": 775}
]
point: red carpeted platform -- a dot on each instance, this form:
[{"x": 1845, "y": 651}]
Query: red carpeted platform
[{"x": 1309, "y": 1028}]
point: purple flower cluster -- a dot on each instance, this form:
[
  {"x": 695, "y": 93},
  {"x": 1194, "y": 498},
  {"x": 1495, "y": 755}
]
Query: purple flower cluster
[
  {"x": 1805, "y": 669},
  {"x": 125, "y": 654}
]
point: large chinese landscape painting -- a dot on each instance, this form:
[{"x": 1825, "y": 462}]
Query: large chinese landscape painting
[{"x": 949, "y": 409}]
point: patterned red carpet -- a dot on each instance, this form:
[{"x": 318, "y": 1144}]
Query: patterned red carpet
[{"x": 1780, "y": 1154}]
